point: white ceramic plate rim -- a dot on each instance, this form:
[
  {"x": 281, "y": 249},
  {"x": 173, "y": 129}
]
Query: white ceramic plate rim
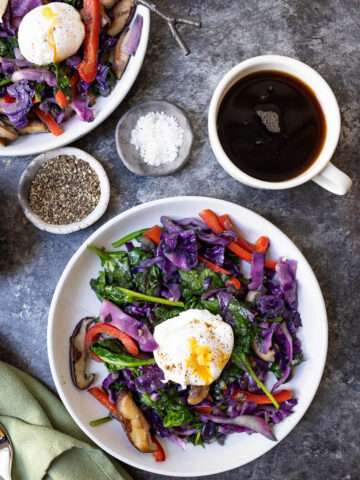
[
  {"x": 104, "y": 106},
  {"x": 225, "y": 465}
]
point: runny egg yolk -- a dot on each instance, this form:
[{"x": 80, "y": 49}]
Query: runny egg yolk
[
  {"x": 200, "y": 359},
  {"x": 51, "y": 18}
]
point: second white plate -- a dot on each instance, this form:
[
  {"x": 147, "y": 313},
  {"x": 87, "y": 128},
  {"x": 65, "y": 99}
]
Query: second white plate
[{"x": 104, "y": 106}]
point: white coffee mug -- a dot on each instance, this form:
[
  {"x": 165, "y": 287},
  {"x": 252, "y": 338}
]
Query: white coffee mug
[{"x": 322, "y": 171}]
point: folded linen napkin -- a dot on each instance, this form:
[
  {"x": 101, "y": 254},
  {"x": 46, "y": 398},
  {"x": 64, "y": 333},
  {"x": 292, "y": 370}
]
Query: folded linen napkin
[{"x": 47, "y": 443}]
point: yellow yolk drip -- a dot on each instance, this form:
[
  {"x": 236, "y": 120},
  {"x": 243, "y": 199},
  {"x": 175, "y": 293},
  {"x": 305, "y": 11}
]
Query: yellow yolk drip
[
  {"x": 51, "y": 18},
  {"x": 200, "y": 361},
  {"x": 223, "y": 358}
]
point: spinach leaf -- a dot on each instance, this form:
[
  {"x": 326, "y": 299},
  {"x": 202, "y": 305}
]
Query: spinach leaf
[
  {"x": 111, "y": 292},
  {"x": 228, "y": 375},
  {"x": 211, "y": 305},
  {"x": 78, "y": 4},
  {"x": 117, "y": 267},
  {"x": 98, "y": 285},
  {"x": 275, "y": 369},
  {"x": 140, "y": 280},
  {"x": 193, "y": 280},
  {"x": 195, "y": 439},
  {"x": 7, "y": 46},
  {"x": 164, "y": 313},
  {"x": 39, "y": 88},
  {"x": 153, "y": 280},
  {"x": 118, "y": 360},
  {"x": 170, "y": 407},
  {"x": 113, "y": 345},
  {"x": 62, "y": 79},
  {"x": 177, "y": 417},
  {"x": 136, "y": 255},
  {"x": 245, "y": 330}
]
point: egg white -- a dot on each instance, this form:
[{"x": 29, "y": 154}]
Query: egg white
[
  {"x": 176, "y": 338},
  {"x": 3, "y": 5},
  {"x": 68, "y": 33}
]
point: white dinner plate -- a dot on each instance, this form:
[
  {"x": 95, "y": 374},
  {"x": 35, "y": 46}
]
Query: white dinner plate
[
  {"x": 73, "y": 299},
  {"x": 104, "y": 106}
]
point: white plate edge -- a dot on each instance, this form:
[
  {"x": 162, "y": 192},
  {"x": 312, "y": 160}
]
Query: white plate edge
[{"x": 60, "y": 283}]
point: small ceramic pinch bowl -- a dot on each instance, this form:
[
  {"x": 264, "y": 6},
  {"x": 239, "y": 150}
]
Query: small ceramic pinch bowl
[
  {"x": 29, "y": 174},
  {"x": 131, "y": 157}
]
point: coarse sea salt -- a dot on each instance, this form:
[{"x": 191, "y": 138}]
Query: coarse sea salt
[{"x": 158, "y": 137}]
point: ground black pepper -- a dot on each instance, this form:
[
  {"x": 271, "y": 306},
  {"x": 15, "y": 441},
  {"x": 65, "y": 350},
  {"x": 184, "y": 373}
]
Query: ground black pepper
[{"x": 65, "y": 190}]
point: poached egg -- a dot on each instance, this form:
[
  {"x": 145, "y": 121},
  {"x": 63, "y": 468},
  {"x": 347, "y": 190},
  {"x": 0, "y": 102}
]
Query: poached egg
[
  {"x": 194, "y": 347},
  {"x": 51, "y": 33},
  {"x": 3, "y": 6}
]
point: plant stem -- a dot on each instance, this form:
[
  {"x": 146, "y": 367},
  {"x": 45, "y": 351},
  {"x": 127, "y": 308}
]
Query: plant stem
[
  {"x": 100, "y": 421},
  {"x": 129, "y": 237},
  {"x": 148, "y": 298},
  {"x": 259, "y": 383},
  {"x": 5, "y": 82}
]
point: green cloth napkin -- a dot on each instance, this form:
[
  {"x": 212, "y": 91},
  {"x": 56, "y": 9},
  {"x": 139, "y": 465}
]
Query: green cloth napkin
[{"x": 47, "y": 443}]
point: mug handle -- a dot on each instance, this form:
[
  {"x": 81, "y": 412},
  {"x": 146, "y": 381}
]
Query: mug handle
[{"x": 333, "y": 179}]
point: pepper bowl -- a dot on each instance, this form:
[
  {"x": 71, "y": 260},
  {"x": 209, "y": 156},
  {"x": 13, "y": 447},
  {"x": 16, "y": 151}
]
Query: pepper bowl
[{"x": 29, "y": 174}]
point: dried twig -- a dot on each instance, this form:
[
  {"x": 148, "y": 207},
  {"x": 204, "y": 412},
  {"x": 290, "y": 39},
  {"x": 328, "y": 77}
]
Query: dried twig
[{"x": 172, "y": 22}]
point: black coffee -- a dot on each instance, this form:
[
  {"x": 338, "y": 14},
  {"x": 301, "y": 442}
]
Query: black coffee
[{"x": 271, "y": 126}]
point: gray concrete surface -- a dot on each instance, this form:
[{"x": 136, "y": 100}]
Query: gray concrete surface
[{"x": 325, "y": 34}]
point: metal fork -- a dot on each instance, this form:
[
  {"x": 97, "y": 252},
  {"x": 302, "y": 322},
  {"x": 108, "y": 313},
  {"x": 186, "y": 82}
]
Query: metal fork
[{"x": 6, "y": 454}]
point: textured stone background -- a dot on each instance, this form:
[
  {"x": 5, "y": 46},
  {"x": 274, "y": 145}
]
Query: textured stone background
[{"x": 325, "y": 34}]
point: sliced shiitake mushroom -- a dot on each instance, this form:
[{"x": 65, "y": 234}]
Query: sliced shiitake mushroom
[
  {"x": 92, "y": 99},
  {"x": 105, "y": 19},
  {"x": 79, "y": 356},
  {"x": 34, "y": 126},
  {"x": 267, "y": 357},
  {"x": 108, "y": 3},
  {"x": 122, "y": 14},
  {"x": 197, "y": 394},
  {"x": 7, "y": 133},
  {"x": 134, "y": 423},
  {"x": 121, "y": 58}
]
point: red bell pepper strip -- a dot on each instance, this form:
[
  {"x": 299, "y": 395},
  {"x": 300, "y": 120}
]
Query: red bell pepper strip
[
  {"x": 63, "y": 100},
  {"x": 154, "y": 234},
  {"x": 159, "y": 455},
  {"x": 216, "y": 268},
  {"x": 8, "y": 99},
  {"x": 262, "y": 244},
  {"x": 263, "y": 399},
  {"x": 204, "y": 409},
  {"x": 88, "y": 67},
  {"x": 235, "y": 282},
  {"x": 226, "y": 223},
  {"x": 213, "y": 266},
  {"x": 93, "y": 333},
  {"x": 212, "y": 221},
  {"x": 101, "y": 397},
  {"x": 49, "y": 121},
  {"x": 74, "y": 80}
]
